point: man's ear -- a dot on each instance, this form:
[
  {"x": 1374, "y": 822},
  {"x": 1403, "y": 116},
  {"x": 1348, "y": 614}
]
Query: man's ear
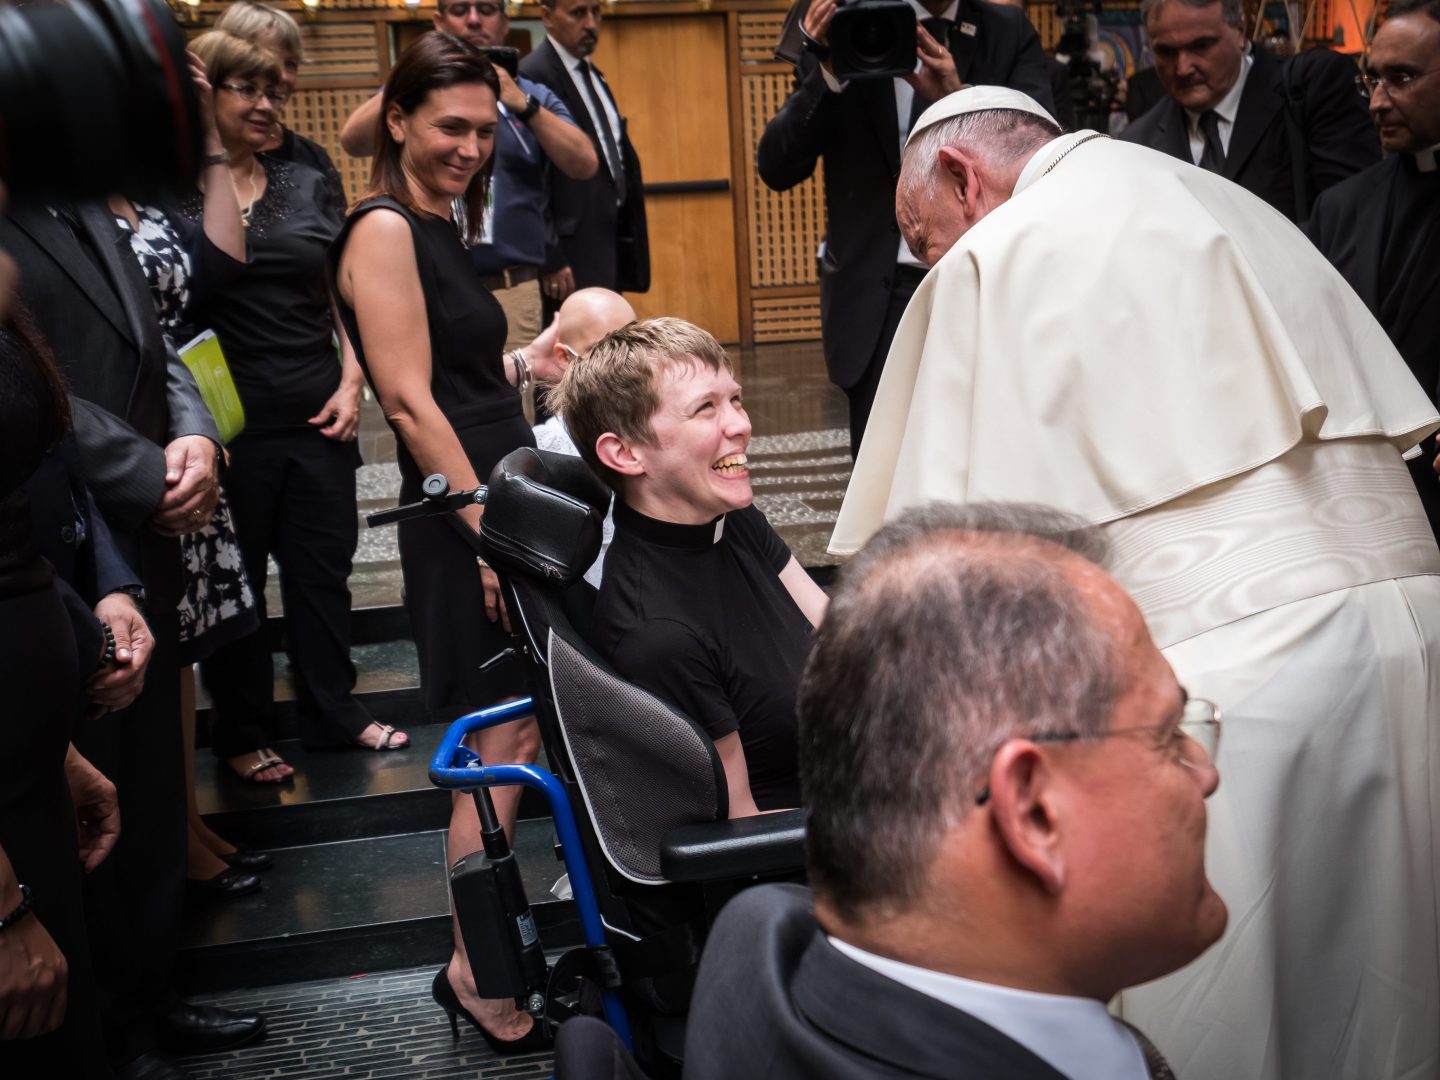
[
  {"x": 1026, "y": 810},
  {"x": 959, "y": 167},
  {"x": 615, "y": 454},
  {"x": 395, "y": 122}
]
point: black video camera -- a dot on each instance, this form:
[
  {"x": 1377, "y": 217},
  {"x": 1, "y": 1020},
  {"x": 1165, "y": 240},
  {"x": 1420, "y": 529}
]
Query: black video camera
[
  {"x": 872, "y": 39},
  {"x": 96, "y": 97}
]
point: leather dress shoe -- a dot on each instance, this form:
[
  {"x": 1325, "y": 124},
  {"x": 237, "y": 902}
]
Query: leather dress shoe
[
  {"x": 152, "y": 1067},
  {"x": 231, "y": 881},
  {"x": 188, "y": 1029},
  {"x": 244, "y": 858}
]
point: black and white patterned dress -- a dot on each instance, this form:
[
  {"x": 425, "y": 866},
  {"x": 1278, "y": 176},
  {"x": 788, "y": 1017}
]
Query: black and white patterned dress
[{"x": 218, "y": 605}]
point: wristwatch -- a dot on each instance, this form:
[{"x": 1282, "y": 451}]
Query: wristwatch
[
  {"x": 222, "y": 158},
  {"x": 532, "y": 106}
]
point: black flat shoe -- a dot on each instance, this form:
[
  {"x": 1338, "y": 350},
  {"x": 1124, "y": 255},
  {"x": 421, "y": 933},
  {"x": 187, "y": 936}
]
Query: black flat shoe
[
  {"x": 188, "y": 1029},
  {"x": 232, "y": 881},
  {"x": 244, "y": 858},
  {"x": 444, "y": 995}
]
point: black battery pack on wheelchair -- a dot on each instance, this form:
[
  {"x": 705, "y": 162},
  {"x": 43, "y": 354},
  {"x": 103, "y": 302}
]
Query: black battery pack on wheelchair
[{"x": 635, "y": 789}]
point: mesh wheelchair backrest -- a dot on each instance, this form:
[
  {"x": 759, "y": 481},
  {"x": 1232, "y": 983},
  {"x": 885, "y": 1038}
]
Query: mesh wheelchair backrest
[{"x": 642, "y": 767}]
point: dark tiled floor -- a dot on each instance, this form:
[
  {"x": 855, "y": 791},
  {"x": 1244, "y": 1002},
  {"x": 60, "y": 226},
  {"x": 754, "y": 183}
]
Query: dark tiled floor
[{"x": 367, "y": 1027}]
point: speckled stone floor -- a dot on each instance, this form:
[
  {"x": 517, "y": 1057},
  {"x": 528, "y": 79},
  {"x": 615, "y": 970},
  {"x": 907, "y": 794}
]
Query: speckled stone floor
[{"x": 367, "y": 1027}]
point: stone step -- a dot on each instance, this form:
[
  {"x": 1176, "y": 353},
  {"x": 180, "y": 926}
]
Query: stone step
[
  {"x": 335, "y": 795},
  {"x": 351, "y": 907}
]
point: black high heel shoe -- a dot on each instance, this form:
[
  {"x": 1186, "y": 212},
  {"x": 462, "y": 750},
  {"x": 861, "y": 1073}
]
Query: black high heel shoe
[
  {"x": 445, "y": 996},
  {"x": 244, "y": 858}
]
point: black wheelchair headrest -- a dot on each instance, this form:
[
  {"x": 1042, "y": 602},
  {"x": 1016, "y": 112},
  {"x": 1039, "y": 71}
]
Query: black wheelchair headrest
[{"x": 543, "y": 515}]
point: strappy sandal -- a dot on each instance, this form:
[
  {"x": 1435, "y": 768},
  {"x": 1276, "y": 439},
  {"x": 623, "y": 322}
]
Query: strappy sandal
[
  {"x": 387, "y": 733},
  {"x": 264, "y": 759},
  {"x": 387, "y": 740}
]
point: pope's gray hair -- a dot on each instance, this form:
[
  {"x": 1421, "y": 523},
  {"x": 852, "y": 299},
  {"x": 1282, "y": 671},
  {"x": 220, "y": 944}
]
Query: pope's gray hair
[
  {"x": 998, "y": 135},
  {"x": 953, "y": 630}
]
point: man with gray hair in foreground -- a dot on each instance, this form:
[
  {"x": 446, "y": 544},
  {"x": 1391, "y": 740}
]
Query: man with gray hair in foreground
[
  {"x": 1149, "y": 346},
  {"x": 1005, "y": 823}
]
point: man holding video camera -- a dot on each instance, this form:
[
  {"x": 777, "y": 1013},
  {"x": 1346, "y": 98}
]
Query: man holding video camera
[{"x": 857, "y": 126}]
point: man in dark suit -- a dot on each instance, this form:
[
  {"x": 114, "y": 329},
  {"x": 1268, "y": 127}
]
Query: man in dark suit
[
  {"x": 1381, "y": 228},
  {"x": 599, "y": 223},
  {"x": 149, "y": 454},
  {"x": 866, "y": 273},
  {"x": 1005, "y": 791},
  {"x": 1284, "y": 130}
]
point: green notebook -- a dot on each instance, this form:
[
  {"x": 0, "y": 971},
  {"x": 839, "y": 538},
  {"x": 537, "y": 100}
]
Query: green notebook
[{"x": 206, "y": 362}]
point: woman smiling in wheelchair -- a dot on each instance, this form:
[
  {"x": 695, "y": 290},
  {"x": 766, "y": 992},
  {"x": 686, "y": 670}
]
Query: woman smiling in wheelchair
[{"x": 701, "y": 602}]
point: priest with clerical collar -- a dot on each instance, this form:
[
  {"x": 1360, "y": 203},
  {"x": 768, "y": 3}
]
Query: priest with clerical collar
[
  {"x": 1120, "y": 334},
  {"x": 1381, "y": 228}
]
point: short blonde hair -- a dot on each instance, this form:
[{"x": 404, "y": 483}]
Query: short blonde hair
[
  {"x": 615, "y": 388},
  {"x": 228, "y": 57},
  {"x": 254, "y": 21}
]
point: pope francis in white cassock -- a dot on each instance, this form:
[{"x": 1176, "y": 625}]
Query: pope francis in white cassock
[{"x": 1138, "y": 341}]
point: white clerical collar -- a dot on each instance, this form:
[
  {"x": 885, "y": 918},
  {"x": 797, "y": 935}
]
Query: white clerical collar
[
  {"x": 1076, "y": 1036},
  {"x": 1229, "y": 105},
  {"x": 1425, "y": 159},
  {"x": 1041, "y": 161},
  {"x": 569, "y": 59}
]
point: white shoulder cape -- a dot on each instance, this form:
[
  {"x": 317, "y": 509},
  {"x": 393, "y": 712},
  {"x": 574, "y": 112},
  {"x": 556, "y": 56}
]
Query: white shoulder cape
[{"x": 1121, "y": 331}]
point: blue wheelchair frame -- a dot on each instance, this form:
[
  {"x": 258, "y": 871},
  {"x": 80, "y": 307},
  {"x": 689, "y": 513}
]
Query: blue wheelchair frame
[{"x": 455, "y": 767}]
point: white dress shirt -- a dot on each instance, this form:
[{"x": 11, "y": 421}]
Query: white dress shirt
[
  {"x": 1075, "y": 1036},
  {"x": 1228, "y": 106},
  {"x": 607, "y": 104}
]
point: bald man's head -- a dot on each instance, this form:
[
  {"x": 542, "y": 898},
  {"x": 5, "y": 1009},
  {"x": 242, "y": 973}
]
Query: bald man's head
[{"x": 587, "y": 315}]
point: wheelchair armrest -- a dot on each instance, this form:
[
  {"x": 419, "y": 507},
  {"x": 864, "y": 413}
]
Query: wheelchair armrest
[{"x": 717, "y": 850}]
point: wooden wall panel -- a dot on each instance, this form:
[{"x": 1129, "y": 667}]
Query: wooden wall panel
[
  {"x": 784, "y": 229},
  {"x": 668, "y": 75},
  {"x": 319, "y": 115}
]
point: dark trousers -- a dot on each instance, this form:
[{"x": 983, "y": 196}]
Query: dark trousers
[
  {"x": 37, "y": 823},
  {"x": 292, "y": 495},
  {"x": 133, "y": 901},
  {"x": 862, "y": 395}
]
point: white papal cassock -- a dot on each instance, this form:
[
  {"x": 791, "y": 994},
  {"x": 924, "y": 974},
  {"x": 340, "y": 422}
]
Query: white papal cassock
[{"x": 1147, "y": 345}]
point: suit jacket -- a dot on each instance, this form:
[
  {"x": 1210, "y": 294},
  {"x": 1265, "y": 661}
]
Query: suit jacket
[
  {"x": 774, "y": 999},
  {"x": 131, "y": 393},
  {"x": 1338, "y": 132},
  {"x": 857, "y": 133},
  {"x": 603, "y": 243}
]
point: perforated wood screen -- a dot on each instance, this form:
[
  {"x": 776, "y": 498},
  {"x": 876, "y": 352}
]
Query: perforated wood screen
[
  {"x": 786, "y": 228},
  {"x": 319, "y": 115}
]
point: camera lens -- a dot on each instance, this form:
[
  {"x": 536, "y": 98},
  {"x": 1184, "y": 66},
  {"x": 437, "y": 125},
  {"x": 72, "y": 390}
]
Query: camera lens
[
  {"x": 874, "y": 39},
  {"x": 95, "y": 98}
]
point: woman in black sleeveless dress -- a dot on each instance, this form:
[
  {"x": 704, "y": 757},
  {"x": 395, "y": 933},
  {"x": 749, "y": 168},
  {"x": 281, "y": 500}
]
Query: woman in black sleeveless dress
[{"x": 430, "y": 338}]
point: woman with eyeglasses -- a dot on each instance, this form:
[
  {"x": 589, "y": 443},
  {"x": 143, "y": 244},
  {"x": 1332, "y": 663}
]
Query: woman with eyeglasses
[
  {"x": 277, "y": 32},
  {"x": 291, "y": 478}
]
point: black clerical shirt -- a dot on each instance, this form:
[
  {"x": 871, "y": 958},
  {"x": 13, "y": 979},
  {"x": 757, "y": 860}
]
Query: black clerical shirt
[{"x": 698, "y": 615}]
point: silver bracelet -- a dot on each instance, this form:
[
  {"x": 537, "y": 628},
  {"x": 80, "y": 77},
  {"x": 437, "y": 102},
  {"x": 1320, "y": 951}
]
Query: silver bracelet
[{"x": 523, "y": 377}]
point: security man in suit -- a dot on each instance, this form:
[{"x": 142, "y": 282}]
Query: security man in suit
[
  {"x": 599, "y": 223},
  {"x": 1381, "y": 228},
  {"x": 867, "y": 274},
  {"x": 1005, "y": 823},
  {"x": 149, "y": 454},
  {"x": 1284, "y": 130}
]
